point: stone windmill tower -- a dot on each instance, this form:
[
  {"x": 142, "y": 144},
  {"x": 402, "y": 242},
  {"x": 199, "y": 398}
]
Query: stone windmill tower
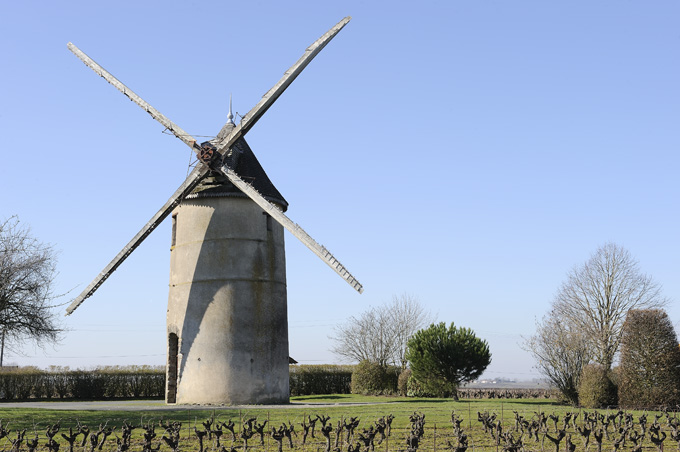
[{"x": 227, "y": 307}]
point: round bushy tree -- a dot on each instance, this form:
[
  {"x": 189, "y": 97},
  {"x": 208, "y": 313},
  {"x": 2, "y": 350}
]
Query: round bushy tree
[
  {"x": 442, "y": 358},
  {"x": 649, "y": 371},
  {"x": 371, "y": 378}
]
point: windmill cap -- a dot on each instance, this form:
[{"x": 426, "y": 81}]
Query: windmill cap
[{"x": 243, "y": 161}]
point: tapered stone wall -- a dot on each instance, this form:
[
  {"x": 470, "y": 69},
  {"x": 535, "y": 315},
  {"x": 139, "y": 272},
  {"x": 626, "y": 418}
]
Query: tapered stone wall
[{"x": 227, "y": 304}]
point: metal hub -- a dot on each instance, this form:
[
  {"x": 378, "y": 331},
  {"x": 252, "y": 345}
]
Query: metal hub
[{"x": 207, "y": 153}]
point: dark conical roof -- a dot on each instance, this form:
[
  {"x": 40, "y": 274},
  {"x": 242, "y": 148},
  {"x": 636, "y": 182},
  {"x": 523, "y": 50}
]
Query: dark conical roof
[{"x": 242, "y": 159}]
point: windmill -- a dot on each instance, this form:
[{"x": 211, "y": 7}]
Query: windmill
[{"x": 227, "y": 326}]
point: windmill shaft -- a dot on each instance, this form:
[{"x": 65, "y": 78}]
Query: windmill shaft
[
  {"x": 189, "y": 184},
  {"x": 293, "y": 228}
]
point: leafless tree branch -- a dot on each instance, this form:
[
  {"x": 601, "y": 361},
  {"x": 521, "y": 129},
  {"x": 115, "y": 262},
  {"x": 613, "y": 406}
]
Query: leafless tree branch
[
  {"x": 381, "y": 334},
  {"x": 27, "y": 272}
]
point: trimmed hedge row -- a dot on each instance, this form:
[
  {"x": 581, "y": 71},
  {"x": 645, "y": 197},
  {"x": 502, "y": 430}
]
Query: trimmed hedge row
[
  {"x": 143, "y": 382},
  {"x": 148, "y": 382},
  {"x": 321, "y": 379},
  {"x": 101, "y": 383}
]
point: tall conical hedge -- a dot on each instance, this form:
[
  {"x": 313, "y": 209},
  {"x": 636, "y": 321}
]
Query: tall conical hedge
[{"x": 649, "y": 372}]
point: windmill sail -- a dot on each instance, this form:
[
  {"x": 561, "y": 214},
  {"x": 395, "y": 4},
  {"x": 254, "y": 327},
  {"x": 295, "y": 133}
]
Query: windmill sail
[
  {"x": 292, "y": 227},
  {"x": 189, "y": 184},
  {"x": 255, "y": 113},
  {"x": 155, "y": 114}
]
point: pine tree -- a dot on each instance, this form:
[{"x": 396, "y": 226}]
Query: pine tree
[{"x": 441, "y": 358}]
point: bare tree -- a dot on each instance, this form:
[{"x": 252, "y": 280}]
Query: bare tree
[
  {"x": 598, "y": 294},
  {"x": 381, "y": 334},
  {"x": 561, "y": 352},
  {"x": 367, "y": 337},
  {"x": 407, "y": 316},
  {"x": 27, "y": 271}
]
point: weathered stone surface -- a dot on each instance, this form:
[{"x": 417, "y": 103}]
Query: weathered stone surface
[{"x": 227, "y": 304}]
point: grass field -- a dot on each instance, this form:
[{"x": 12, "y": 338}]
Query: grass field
[{"x": 438, "y": 426}]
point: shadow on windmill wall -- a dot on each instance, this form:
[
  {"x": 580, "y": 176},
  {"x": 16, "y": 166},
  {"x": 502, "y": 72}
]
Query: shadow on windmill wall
[{"x": 227, "y": 304}]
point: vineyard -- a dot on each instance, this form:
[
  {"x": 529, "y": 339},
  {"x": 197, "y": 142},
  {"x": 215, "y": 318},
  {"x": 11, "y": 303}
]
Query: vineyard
[{"x": 399, "y": 425}]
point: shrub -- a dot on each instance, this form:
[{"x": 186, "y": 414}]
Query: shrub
[
  {"x": 87, "y": 385},
  {"x": 596, "y": 388},
  {"x": 370, "y": 378},
  {"x": 145, "y": 382},
  {"x": 60, "y": 381},
  {"x": 18, "y": 383},
  {"x": 320, "y": 379}
]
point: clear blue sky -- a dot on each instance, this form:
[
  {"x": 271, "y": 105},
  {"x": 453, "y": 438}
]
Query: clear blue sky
[{"x": 467, "y": 152}]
